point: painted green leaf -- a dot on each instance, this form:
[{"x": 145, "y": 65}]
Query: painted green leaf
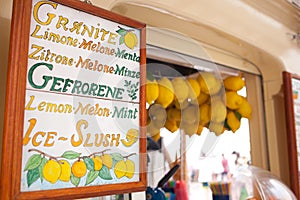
[
  {"x": 41, "y": 166},
  {"x": 33, "y": 162},
  {"x": 92, "y": 175},
  {"x": 116, "y": 157},
  {"x": 71, "y": 155},
  {"x": 104, "y": 173},
  {"x": 121, "y": 40},
  {"x": 126, "y": 83},
  {"x": 89, "y": 163},
  {"x": 122, "y": 31},
  {"x": 32, "y": 176},
  {"x": 75, "y": 180}
]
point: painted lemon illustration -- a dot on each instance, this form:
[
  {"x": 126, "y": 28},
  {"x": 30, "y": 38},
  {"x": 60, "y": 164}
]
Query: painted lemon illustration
[
  {"x": 130, "y": 168},
  {"x": 52, "y": 171},
  {"x": 79, "y": 169},
  {"x": 131, "y": 137},
  {"x": 107, "y": 160},
  {"x": 120, "y": 169},
  {"x": 65, "y": 171},
  {"x": 97, "y": 163},
  {"x": 130, "y": 40}
]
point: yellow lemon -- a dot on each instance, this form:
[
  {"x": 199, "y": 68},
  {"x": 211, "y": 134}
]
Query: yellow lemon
[
  {"x": 234, "y": 83},
  {"x": 170, "y": 115},
  {"x": 209, "y": 84},
  {"x": 97, "y": 163},
  {"x": 166, "y": 92},
  {"x": 181, "y": 89},
  {"x": 171, "y": 125},
  {"x": 130, "y": 168},
  {"x": 157, "y": 111},
  {"x": 152, "y": 129},
  {"x": 107, "y": 160},
  {"x": 52, "y": 171},
  {"x": 199, "y": 129},
  {"x": 156, "y": 136},
  {"x": 152, "y": 91},
  {"x": 205, "y": 114},
  {"x": 191, "y": 114},
  {"x": 130, "y": 40},
  {"x": 218, "y": 110},
  {"x": 194, "y": 88},
  {"x": 245, "y": 109},
  {"x": 233, "y": 121},
  {"x": 181, "y": 105},
  {"x": 202, "y": 98},
  {"x": 176, "y": 114},
  {"x": 217, "y": 128},
  {"x": 233, "y": 100},
  {"x": 65, "y": 171},
  {"x": 158, "y": 115},
  {"x": 120, "y": 169},
  {"x": 79, "y": 169},
  {"x": 189, "y": 128}
]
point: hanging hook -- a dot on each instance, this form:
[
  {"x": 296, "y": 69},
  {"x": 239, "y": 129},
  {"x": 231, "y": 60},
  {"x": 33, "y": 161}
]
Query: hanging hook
[
  {"x": 295, "y": 37},
  {"x": 87, "y": 1}
]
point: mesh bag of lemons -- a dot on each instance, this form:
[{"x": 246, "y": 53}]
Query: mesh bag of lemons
[{"x": 193, "y": 103}]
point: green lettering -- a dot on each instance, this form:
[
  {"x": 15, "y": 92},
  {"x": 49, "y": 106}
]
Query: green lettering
[{"x": 46, "y": 78}]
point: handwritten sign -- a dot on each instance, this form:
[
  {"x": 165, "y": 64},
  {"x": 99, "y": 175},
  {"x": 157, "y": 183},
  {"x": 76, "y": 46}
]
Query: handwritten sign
[{"x": 82, "y": 111}]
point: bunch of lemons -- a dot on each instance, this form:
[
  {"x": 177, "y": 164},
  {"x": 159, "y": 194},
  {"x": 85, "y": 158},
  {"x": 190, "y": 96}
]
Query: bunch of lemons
[
  {"x": 87, "y": 168},
  {"x": 192, "y": 103},
  {"x": 124, "y": 168},
  {"x": 55, "y": 170}
]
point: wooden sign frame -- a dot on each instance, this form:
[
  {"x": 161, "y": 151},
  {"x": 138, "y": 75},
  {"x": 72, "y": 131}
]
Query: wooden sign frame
[
  {"x": 293, "y": 147},
  {"x": 15, "y": 101}
]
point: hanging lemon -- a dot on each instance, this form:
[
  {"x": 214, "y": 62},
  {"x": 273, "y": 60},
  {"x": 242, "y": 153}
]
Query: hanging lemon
[
  {"x": 209, "y": 84},
  {"x": 166, "y": 92},
  {"x": 234, "y": 83},
  {"x": 233, "y": 100},
  {"x": 202, "y": 98},
  {"x": 152, "y": 91},
  {"x": 171, "y": 126},
  {"x": 194, "y": 88},
  {"x": 218, "y": 110},
  {"x": 245, "y": 109},
  {"x": 181, "y": 89},
  {"x": 191, "y": 114},
  {"x": 217, "y": 128},
  {"x": 205, "y": 114},
  {"x": 233, "y": 121}
]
